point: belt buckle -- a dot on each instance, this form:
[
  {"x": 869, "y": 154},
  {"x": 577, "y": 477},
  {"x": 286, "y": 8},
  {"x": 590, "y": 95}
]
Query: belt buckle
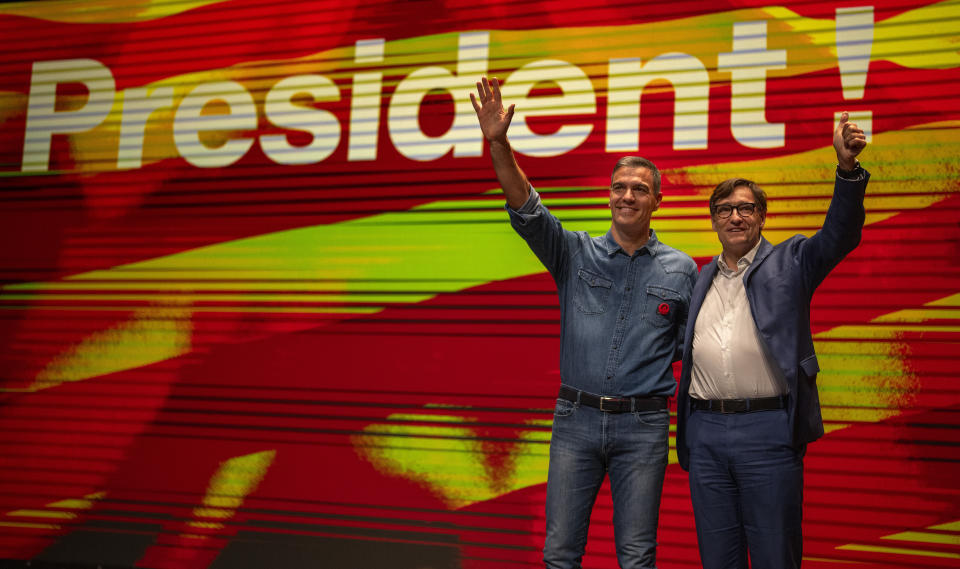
[
  {"x": 605, "y": 398},
  {"x": 723, "y": 406}
]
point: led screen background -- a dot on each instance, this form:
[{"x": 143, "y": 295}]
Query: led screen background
[{"x": 260, "y": 304}]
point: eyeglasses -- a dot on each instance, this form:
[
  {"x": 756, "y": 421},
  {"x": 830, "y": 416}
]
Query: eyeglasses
[{"x": 726, "y": 210}]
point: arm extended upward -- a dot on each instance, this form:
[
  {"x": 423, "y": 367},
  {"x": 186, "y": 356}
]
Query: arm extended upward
[{"x": 494, "y": 122}]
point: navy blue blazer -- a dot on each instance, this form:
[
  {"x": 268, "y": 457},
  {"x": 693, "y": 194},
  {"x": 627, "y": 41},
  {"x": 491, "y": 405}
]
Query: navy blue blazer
[{"x": 780, "y": 284}]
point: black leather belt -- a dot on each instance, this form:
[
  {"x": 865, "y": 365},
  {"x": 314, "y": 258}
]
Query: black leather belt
[
  {"x": 739, "y": 405},
  {"x": 613, "y": 404}
]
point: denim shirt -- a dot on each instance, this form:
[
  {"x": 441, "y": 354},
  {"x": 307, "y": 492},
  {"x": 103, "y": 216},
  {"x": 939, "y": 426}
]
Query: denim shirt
[{"x": 621, "y": 317}]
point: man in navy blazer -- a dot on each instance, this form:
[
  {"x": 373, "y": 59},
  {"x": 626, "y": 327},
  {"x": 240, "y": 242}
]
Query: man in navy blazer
[{"x": 747, "y": 402}]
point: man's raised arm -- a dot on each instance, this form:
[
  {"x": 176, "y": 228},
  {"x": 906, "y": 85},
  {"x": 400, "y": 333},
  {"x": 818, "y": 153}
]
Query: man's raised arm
[{"x": 494, "y": 122}]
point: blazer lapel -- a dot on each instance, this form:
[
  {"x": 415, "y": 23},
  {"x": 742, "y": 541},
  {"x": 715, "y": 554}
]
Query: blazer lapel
[{"x": 765, "y": 249}]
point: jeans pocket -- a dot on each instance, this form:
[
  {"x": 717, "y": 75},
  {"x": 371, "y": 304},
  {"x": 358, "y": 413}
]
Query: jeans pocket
[
  {"x": 564, "y": 408},
  {"x": 592, "y": 292},
  {"x": 653, "y": 418}
]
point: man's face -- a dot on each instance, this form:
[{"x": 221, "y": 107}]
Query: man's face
[
  {"x": 738, "y": 234},
  {"x": 632, "y": 200}
]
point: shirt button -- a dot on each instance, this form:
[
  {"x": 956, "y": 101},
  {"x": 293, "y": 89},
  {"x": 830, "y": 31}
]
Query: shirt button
[{"x": 628, "y": 289}]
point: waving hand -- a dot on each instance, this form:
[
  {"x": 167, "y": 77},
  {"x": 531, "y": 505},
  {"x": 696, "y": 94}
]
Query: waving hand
[{"x": 494, "y": 120}]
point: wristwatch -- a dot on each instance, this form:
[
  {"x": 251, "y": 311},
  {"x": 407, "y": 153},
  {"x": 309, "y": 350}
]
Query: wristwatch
[{"x": 849, "y": 173}]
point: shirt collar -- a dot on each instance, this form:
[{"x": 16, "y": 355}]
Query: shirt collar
[
  {"x": 652, "y": 245},
  {"x": 742, "y": 264}
]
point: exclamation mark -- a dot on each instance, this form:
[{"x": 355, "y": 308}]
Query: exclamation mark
[{"x": 854, "y": 29}]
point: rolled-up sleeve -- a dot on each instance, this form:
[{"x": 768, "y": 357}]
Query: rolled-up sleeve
[
  {"x": 530, "y": 208},
  {"x": 541, "y": 230}
]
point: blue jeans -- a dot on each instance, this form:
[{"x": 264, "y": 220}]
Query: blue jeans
[
  {"x": 587, "y": 444},
  {"x": 746, "y": 484}
]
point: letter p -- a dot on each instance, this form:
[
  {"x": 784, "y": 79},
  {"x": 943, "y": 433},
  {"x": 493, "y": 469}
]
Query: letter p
[{"x": 43, "y": 118}]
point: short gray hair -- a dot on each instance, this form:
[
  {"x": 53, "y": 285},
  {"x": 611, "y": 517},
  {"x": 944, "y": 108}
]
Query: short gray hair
[{"x": 638, "y": 162}]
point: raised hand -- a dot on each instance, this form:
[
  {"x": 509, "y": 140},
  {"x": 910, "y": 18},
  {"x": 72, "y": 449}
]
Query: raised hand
[
  {"x": 494, "y": 120},
  {"x": 848, "y": 140}
]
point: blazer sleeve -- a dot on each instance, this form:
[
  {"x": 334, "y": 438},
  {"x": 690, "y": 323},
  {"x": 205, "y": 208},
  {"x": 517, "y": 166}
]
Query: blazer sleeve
[{"x": 840, "y": 234}]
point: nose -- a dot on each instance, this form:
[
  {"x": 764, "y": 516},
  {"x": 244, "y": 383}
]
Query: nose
[{"x": 735, "y": 222}]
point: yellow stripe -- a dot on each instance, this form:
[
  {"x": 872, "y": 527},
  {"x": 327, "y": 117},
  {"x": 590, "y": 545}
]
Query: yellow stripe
[
  {"x": 952, "y": 526},
  {"x": 143, "y": 340},
  {"x": 917, "y": 315},
  {"x": 102, "y": 11},
  {"x": 445, "y": 455},
  {"x": 829, "y": 560},
  {"x": 258, "y": 309},
  {"x": 898, "y": 551},
  {"x": 42, "y": 514},
  {"x": 953, "y": 300},
  {"x": 876, "y": 332},
  {"x": 925, "y": 537},
  {"x": 28, "y": 525},
  {"x": 229, "y": 486},
  {"x": 184, "y": 299},
  {"x": 84, "y": 503}
]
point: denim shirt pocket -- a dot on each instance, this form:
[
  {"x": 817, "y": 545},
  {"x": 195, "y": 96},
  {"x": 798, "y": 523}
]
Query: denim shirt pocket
[
  {"x": 662, "y": 306},
  {"x": 592, "y": 292}
]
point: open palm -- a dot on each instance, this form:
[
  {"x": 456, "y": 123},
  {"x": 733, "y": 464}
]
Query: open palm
[{"x": 494, "y": 119}]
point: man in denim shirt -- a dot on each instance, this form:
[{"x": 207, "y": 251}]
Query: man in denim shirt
[{"x": 623, "y": 306}]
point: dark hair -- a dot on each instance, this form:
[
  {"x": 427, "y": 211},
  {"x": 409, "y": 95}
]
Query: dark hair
[
  {"x": 726, "y": 187},
  {"x": 638, "y": 162}
]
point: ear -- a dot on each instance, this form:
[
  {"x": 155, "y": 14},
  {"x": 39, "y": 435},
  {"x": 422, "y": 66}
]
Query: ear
[
  {"x": 658, "y": 198},
  {"x": 713, "y": 223},
  {"x": 763, "y": 220}
]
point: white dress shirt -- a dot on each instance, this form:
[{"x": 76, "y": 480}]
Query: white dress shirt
[{"x": 730, "y": 359}]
